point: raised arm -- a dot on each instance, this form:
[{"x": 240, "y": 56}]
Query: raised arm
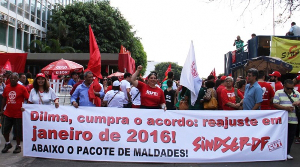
[{"x": 135, "y": 75}]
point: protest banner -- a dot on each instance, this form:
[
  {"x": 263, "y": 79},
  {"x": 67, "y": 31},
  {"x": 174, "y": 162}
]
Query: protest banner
[{"x": 141, "y": 135}]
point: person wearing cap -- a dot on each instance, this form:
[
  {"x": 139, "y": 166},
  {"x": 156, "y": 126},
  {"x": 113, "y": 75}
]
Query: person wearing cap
[
  {"x": 82, "y": 92},
  {"x": 219, "y": 91},
  {"x": 152, "y": 97},
  {"x": 275, "y": 78},
  {"x": 253, "y": 92},
  {"x": 13, "y": 97},
  {"x": 114, "y": 97},
  {"x": 228, "y": 96},
  {"x": 41, "y": 92},
  {"x": 268, "y": 92}
]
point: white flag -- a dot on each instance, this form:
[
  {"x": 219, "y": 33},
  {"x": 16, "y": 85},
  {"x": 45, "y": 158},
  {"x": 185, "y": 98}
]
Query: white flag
[{"x": 189, "y": 75}]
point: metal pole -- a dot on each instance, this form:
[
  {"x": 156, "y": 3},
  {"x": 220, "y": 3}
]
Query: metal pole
[{"x": 273, "y": 20}]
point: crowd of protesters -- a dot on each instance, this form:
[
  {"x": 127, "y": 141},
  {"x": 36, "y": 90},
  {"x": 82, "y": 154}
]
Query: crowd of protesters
[{"x": 250, "y": 92}]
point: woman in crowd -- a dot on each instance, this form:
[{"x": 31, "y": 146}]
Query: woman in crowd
[
  {"x": 210, "y": 92},
  {"x": 228, "y": 96},
  {"x": 114, "y": 97},
  {"x": 41, "y": 92},
  {"x": 104, "y": 83},
  {"x": 170, "y": 95},
  {"x": 136, "y": 95},
  {"x": 180, "y": 95},
  {"x": 152, "y": 97},
  {"x": 241, "y": 86}
]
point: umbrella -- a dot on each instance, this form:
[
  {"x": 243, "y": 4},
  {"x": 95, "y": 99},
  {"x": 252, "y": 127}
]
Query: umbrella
[
  {"x": 268, "y": 64},
  {"x": 62, "y": 67},
  {"x": 117, "y": 74}
]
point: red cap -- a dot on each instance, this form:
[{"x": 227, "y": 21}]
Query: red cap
[
  {"x": 276, "y": 74},
  {"x": 298, "y": 78},
  {"x": 223, "y": 78},
  {"x": 40, "y": 75}
]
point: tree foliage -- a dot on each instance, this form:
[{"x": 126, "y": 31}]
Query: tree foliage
[
  {"x": 70, "y": 25},
  {"x": 51, "y": 46},
  {"x": 162, "y": 67}
]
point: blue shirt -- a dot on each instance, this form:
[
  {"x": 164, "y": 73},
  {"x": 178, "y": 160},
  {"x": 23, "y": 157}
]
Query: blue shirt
[
  {"x": 252, "y": 96},
  {"x": 81, "y": 92},
  {"x": 71, "y": 82}
]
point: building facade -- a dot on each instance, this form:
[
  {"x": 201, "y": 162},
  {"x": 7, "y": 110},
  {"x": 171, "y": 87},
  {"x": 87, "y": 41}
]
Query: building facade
[{"x": 22, "y": 21}]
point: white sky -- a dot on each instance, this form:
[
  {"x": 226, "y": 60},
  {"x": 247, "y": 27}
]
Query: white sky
[{"x": 168, "y": 26}]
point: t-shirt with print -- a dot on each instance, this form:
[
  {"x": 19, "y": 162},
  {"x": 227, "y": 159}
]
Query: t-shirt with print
[
  {"x": 46, "y": 97},
  {"x": 150, "y": 97},
  {"x": 268, "y": 94},
  {"x": 169, "y": 96},
  {"x": 229, "y": 96},
  {"x": 124, "y": 86},
  {"x": 14, "y": 98}
]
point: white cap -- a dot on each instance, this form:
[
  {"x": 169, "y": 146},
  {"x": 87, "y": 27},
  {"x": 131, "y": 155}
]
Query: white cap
[{"x": 116, "y": 83}]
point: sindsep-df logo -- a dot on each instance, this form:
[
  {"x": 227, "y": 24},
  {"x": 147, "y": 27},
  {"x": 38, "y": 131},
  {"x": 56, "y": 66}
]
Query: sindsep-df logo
[{"x": 292, "y": 53}]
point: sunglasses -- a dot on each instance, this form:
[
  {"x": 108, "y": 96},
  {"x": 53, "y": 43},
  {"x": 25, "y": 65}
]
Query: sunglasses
[
  {"x": 153, "y": 74},
  {"x": 289, "y": 88},
  {"x": 105, "y": 79}
]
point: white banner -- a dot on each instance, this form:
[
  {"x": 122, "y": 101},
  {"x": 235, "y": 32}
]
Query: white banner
[{"x": 140, "y": 135}]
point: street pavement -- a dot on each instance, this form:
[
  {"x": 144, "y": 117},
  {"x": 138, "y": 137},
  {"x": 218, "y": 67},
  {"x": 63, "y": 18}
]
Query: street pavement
[{"x": 18, "y": 160}]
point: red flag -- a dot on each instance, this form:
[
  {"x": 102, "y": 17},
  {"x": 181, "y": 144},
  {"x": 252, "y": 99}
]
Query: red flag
[
  {"x": 95, "y": 86},
  {"x": 6, "y": 67},
  {"x": 94, "y": 64},
  {"x": 213, "y": 72},
  {"x": 167, "y": 71}
]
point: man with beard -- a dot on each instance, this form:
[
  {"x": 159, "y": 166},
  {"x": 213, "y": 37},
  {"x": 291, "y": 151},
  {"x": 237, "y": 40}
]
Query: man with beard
[{"x": 275, "y": 76}]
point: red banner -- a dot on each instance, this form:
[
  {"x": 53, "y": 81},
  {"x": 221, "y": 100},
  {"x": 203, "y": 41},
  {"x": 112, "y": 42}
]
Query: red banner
[{"x": 17, "y": 60}]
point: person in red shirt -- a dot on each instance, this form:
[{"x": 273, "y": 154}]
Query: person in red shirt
[
  {"x": 275, "y": 76},
  {"x": 152, "y": 97},
  {"x": 13, "y": 97},
  {"x": 268, "y": 92},
  {"x": 228, "y": 96},
  {"x": 297, "y": 85},
  {"x": 219, "y": 91}
]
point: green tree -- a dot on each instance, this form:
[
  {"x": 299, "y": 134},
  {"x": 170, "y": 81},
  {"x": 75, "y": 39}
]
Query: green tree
[
  {"x": 162, "y": 67},
  {"x": 51, "y": 46},
  {"x": 70, "y": 25}
]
